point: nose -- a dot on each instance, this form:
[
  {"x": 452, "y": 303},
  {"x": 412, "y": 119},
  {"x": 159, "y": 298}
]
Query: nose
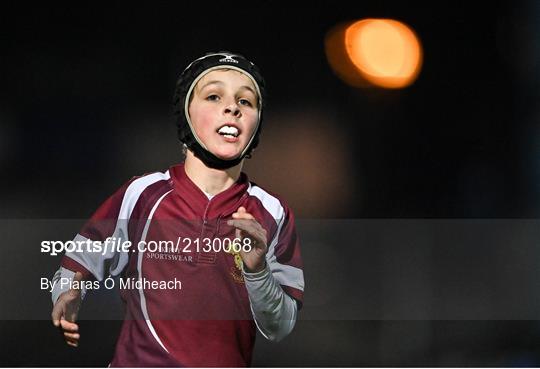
[{"x": 232, "y": 109}]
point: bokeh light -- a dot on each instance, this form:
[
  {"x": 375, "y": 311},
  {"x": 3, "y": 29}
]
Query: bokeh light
[{"x": 374, "y": 52}]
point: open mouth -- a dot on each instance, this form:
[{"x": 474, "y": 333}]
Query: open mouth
[{"x": 228, "y": 131}]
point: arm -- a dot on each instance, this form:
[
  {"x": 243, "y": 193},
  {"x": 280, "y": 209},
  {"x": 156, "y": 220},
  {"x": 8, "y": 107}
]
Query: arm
[
  {"x": 274, "y": 311},
  {"x": 78, "y": 266},
  {"x": 272, "y": 274},
  {"x": 66, "y": 306}
]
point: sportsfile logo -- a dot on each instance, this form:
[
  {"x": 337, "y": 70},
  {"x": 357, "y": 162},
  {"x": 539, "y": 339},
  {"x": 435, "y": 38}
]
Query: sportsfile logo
[
  {"x": 228, "y": 59},
  {"x": 111, "y": 245}
]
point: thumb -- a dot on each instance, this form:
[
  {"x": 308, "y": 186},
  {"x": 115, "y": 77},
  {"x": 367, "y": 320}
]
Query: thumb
[{"x": 78, "y": 277}]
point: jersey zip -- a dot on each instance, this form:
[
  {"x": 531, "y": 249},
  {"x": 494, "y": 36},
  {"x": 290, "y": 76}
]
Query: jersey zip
[{"x": 205, "y": 218}]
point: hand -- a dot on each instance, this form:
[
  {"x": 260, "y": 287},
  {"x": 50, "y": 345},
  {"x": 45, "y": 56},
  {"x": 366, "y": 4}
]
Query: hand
[
  {"x": 65, "y": 311},
  {"x": 248, "y": 227}
]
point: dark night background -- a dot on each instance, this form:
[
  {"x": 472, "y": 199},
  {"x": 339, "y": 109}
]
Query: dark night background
[{"x": 85, "y": 104}]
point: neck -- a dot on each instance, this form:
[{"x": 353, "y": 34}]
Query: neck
[{"x": 209, "y": 180}]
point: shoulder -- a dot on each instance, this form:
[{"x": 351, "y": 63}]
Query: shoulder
[
  {"x": 139, "y": 183},
  {"x": 269, "y": 200},
  {"x": 150, "y": 177},
  {"x": 137, "y": 190},
  {"x": 132, "y": 190}
]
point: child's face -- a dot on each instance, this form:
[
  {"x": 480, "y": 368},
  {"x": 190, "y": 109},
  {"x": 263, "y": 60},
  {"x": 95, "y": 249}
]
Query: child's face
[{"x": 224, "y": 98}]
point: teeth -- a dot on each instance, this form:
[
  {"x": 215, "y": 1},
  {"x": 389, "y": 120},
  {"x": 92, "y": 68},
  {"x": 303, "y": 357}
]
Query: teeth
[{"x": 228, "y": 130}]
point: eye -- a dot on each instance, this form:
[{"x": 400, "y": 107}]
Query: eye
[
  {"x": 212, "y": 97},
  {"x": 245, "y": 102}
]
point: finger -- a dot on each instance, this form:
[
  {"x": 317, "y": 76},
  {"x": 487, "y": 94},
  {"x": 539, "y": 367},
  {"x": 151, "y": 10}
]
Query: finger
[
  {"x": 243, "y": 215},
  {"x": 252, "y": 227},
  {"x": 71, "y": 343},
  {"x": 245, "y": 224},
  {"x": 238, "y": 234},
  {"x": 78, "y": 277},
  {"x": 72, "y": 336},
  {"x": 68, "y": 326},
  {"x": 241, "y": 210}
]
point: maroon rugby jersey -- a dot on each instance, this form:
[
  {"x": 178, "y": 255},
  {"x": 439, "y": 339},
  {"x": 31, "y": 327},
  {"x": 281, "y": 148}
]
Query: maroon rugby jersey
[{"x": 208, "y": 321}]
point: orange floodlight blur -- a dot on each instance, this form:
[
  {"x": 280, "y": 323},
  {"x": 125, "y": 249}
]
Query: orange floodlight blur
[{"x": 380, "y": 52}]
